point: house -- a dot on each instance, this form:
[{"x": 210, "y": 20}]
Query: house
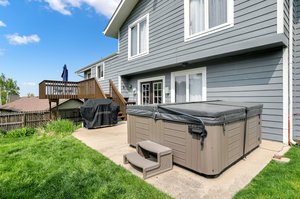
[
  {"x": 191, "y": 50},
  {"x": 67, "y": 109}
]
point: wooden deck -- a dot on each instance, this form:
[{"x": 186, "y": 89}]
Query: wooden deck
[{"x": 86, "y": 89}]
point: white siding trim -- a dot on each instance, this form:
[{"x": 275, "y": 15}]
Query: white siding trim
[
  {"x": 120, "y": 84},
  {"x": 285, "y": 66},
  {"x": 201, "y": 70},
  {"x": 139, "y": 94},
  {"x": 119, "y": 36},
  {"x": 291, "y": 75},
  {"x": 280, "y": 16}
]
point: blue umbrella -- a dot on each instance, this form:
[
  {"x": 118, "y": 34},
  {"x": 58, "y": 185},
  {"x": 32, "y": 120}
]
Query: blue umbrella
[{"x": 64, "y": 74}]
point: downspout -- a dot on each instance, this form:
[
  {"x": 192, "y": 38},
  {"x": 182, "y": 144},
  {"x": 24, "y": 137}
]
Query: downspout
[{"x": 291, "y": 48}]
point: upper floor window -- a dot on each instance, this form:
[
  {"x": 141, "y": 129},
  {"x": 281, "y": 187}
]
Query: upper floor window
[
  {"x": 100, "y": 71},
  {"x": 203, "y": 17},
  {"x": 138, "y": 34},
  {"x": 87, "y": 74}
]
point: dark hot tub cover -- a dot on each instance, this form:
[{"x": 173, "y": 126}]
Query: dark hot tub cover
[
  {"x": 99, "y": 112},
  {"x": 209, "y": 112}
]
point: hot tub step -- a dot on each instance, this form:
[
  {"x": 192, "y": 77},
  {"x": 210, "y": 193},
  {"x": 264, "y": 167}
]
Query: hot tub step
[
  {"x": 154, "y": 147},
  {"x": 151, "y": 157},
  {"x": 138, "y": 161}
]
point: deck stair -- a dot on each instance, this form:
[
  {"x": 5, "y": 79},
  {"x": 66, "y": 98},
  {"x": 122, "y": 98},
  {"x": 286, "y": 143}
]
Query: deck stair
[{"x": 151, "y": 158}]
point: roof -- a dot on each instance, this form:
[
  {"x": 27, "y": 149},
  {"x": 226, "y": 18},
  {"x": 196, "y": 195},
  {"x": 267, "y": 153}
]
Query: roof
[
  {"x": 83, "y": 69},
  {"x": 30, "y": 104},
  {"x": 122, "y": 12}
]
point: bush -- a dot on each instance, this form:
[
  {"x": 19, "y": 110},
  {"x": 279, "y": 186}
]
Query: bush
[
  {"x": 62, "y": 127},
  {"x": 22, "y": 132},
  {"x": 2, "y": 133}
]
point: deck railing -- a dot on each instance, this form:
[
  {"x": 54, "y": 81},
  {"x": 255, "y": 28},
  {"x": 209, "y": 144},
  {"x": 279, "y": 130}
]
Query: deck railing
[
  {"x": 86, "y": 89},
  {"x": 117, "y": 97}
]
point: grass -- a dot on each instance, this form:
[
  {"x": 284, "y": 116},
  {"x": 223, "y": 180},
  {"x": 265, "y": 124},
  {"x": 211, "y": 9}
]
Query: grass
[
  {"x": 277, "y": 180},
  {"x": 53, "y": 164}
]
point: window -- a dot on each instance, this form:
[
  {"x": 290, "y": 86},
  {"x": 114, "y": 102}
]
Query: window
[
  {"x": 100, "y": 71},
  {"x": 188, "y": 85},
  {"x": 203, "y": 17},
  {"x": 138, "y": 34},
  {"x": 87, "y": 74}
]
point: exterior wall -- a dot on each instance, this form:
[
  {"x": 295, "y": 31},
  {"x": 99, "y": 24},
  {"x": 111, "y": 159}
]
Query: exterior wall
[
  {"x": 296, "y": 71},
  {"x": 254, "y": 22},
  {"x": 248, "y": 78}
]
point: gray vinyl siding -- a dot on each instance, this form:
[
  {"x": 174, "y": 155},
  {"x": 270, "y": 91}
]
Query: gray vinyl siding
[
  {"x": 252, "y": 79},
  {"x": 248, "y": 78},
  {"x": 296, "y": 71},
  {"x": 252, "y": 20}
]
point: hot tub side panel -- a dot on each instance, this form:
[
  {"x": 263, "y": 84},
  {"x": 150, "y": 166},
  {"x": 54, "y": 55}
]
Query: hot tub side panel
[
  {"x": 253, "y": 133},
  {"x": 222, "y": 146}
]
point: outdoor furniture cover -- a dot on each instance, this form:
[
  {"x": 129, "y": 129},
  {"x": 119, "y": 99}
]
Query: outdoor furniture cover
[{"x": 99, "y": 112}]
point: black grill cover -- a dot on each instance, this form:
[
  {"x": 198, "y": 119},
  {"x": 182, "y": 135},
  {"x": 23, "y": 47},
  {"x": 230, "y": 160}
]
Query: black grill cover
[{"x": 99, "y": 112}]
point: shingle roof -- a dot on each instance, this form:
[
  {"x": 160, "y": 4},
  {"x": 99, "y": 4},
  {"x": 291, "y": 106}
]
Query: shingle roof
[{"x": 30, "y": 104}]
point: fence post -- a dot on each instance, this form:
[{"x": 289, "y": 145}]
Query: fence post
[{"x": 24, "y": 120}]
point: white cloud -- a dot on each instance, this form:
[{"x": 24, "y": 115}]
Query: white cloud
[
  {"x": 4, "y": 2},
  {"x": 2, "y": 24},
  {"x": 17, "y": 39},
  {"x": 29, "y": 84},
  {"x": 103, "y": 7}
]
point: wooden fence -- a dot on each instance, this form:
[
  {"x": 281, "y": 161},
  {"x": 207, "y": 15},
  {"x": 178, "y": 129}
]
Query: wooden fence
[{"x": 9, "y": 121}]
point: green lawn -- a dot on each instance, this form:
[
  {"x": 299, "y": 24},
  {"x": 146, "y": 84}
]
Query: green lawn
[
  {"x": 59, "y": 166},
  {"x": 277, "y": 180}
]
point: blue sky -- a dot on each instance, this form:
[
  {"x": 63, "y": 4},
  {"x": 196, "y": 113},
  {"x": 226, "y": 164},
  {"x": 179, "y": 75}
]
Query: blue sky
[{"x": 37, "y": 37}]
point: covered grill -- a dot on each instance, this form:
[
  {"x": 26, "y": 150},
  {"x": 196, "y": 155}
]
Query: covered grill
[{"x": 99, "y": 112}]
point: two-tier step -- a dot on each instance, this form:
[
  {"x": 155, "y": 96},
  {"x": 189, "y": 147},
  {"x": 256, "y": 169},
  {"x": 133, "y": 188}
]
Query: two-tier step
[{"x": 151, "y": 158}]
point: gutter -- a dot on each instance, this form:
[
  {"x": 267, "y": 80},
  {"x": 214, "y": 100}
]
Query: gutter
[{"x": 291, "y": 48}]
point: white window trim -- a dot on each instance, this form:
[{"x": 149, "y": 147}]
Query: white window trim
[
  {"x": 147, "y": 38},
  {"x": 229, "y": 24},
  {"x": 158, "y": 78},
  {"x": 201, "y": 70},
  {"x": 280, "y": 16},
  {"x": 97, "y": 71},
  {"x": 119, "y": 37}
]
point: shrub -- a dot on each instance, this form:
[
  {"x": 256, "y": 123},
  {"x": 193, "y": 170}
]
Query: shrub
[
  {"x": 62, "y": 127},
  {"x": 22, "y": 132},
  {"x": 2, "y": 133}
]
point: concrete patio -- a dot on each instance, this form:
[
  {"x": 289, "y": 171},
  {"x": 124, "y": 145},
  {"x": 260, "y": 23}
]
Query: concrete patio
[{"x": 179, "y": 182}]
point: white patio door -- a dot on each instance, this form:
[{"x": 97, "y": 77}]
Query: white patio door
[
  {"x": 152, "y": 92},
  {"x": 188, "y": 85}
]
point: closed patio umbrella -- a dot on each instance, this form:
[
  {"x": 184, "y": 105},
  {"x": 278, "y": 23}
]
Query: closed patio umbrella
[{"x": 64, "y": 74}]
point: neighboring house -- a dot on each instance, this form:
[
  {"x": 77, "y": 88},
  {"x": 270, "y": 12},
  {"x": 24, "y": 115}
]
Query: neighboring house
[
  {"x": 68, "y": 109},
  {"x": 193, "y": 50}
]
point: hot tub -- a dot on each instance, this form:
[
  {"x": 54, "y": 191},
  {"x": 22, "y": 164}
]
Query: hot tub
[{"x": 206, "y": 137}]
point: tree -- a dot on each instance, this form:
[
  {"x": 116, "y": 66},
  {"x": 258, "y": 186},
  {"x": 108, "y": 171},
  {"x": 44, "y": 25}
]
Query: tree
[
  {"x": 8, "y": 86},
  {"x": 30, "y": 94}
]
